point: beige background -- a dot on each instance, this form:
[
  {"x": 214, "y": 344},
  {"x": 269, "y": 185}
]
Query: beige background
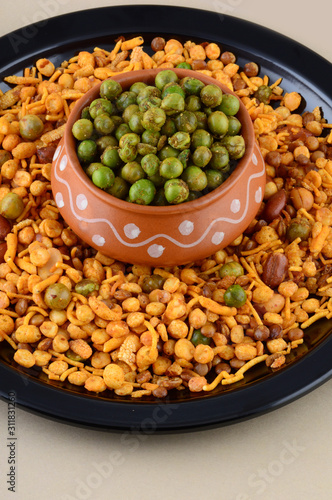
[{"x": 283, "y": 455}]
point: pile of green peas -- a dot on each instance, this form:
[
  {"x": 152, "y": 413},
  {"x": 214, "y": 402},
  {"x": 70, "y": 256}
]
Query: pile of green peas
[{"x": 159, "y": 145}]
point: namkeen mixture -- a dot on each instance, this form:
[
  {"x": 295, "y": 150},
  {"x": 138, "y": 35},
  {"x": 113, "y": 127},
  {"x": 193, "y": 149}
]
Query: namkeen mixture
[
  {"x": 78, "y": 316},
  {"x": 167, "y": 134}
]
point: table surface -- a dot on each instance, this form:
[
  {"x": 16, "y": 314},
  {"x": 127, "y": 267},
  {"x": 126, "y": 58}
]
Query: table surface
[{"x": 284, "y": 454}]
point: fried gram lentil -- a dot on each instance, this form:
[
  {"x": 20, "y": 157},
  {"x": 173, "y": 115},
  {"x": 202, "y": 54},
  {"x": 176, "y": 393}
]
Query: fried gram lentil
[{"x": 139, "y": 330}]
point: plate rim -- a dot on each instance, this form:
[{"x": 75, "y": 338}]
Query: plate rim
[{"x": 193, "y": 414}]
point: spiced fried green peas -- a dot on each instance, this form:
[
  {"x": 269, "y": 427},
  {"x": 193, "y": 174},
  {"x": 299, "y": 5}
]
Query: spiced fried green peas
[
  {"x": 11, "y": 206},
  {"x": 142, "y": 192},
  {"x": 163, "y": 134}
]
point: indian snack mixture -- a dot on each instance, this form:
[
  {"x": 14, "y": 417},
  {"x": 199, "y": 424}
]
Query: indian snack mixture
[
  {"x": 142, "y": 145},
  {"x": 79, "y": 316}
]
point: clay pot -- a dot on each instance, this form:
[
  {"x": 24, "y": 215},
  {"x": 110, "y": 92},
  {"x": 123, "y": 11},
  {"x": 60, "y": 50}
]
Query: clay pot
[{"x": 157, "y": 236}]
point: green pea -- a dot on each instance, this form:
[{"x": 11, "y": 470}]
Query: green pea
[
  {"x": 168, "y": 152},
  {"x": 130, "y": 139},
  {"x": 104, "y": 141},
  {"x": 191, "y": 86},
  {"x": 135, "y": 123},
  {"x": 216, "y": 144},
  {"x": 86, "y": 286},
  {"x": 137, "y": 87},
  {"x": 172, "y": 104},
  {"x": 201, "y": 156},
  {"x": 92, "y": 167},
  {"x": 117, "y": 120},
  {"x": 180, "y": 140},
  {"x": 173, "y": 88},
  {"x": 195, "y": 178},
  {"x": 220, "y": 157},
  {"x": 263, "y": 94},
  {"x": 149, "y": 102},
  {"x": 142, "y": 192},
  {"x": 176, "y": 191},
  {"x": 110, "y": 157},
  {"x": 148, "y": 92},
  {"x": 150, "y": 137},
  {"x": 170, "y": 168},
  {"x": 230, "y": 104},
  {"x": 184, "y": 65},
  {"x": 125, "y": 99},
  {"x": 127, "y": 153},
  {"x": 150, "y": 164},
  {"x": 86, "y": 151},
  {"x": 169, "y": 127},
  {"x": 82, "y": 129},
  {"x": 201, "y": 138},
  {"x": 193, "y": 103},
  {"x": 119, "y": 189},
  {"x": 184, "y": 157},
  {"x": 73, "y": 356},
  {"x": 186, "y": 122},
  {"x": 122, "y": 130},
  {"x": 235, "y": 146},
  {"x": 132, "y": 172},
  {"x": 234, "y": 126},
  {"x": 211, "y": 95},
  {"x": 164, "y": 77},
  {"x": 11, "y": 206},
  {"x": 214, "y": 178},
  {"x": 218, "y": 123},
  {"x": 101, "y": 106},
  {"x": 145, "y": 149},
  {"x": 235, "y": 296},
  {"x": 57, "y": 296},
  {"x": 104, "y": 124},
  {"x": 129, "y": 111},
  {"x": 162, "y": 142},
  {"x": 153, "y": 119},
  {"x": 85, "y": 114},
  {"x": 202, "y": 120},
  {"x": 198, "y": 338},
  {"x": 153, "y": 282},
  {"x": 31, "y": 127},
  {"x": 298, "y": 228},
  {"x": 103, "y": 177},
  {"x": 232, "y": 268},
  {"x": 110, "y": 89}
]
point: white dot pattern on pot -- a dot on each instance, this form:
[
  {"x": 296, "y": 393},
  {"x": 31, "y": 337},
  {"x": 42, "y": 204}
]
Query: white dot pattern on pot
[
  {"x": 235, "y": 206},
  {"x": 131, "y": 231},
  {"x": 218, "y": 237},
  {"x": 63, "y": 163},
  {"x": 59, "y": 200},
  {"x": 258, "y": 195},
  {"x": 98, "y": 240},
  {"x": 156, "y": 251},
  {"x": 81, "y": 202},
  {"x": 186, "y": 227}
]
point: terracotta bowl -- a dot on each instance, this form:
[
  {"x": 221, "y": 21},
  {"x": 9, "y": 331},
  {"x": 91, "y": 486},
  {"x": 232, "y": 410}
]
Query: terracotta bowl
[{"x": 157, "y": 236}]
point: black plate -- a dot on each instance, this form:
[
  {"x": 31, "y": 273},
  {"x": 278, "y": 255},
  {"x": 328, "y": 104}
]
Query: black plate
[{"x": 261, "y": 391}]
